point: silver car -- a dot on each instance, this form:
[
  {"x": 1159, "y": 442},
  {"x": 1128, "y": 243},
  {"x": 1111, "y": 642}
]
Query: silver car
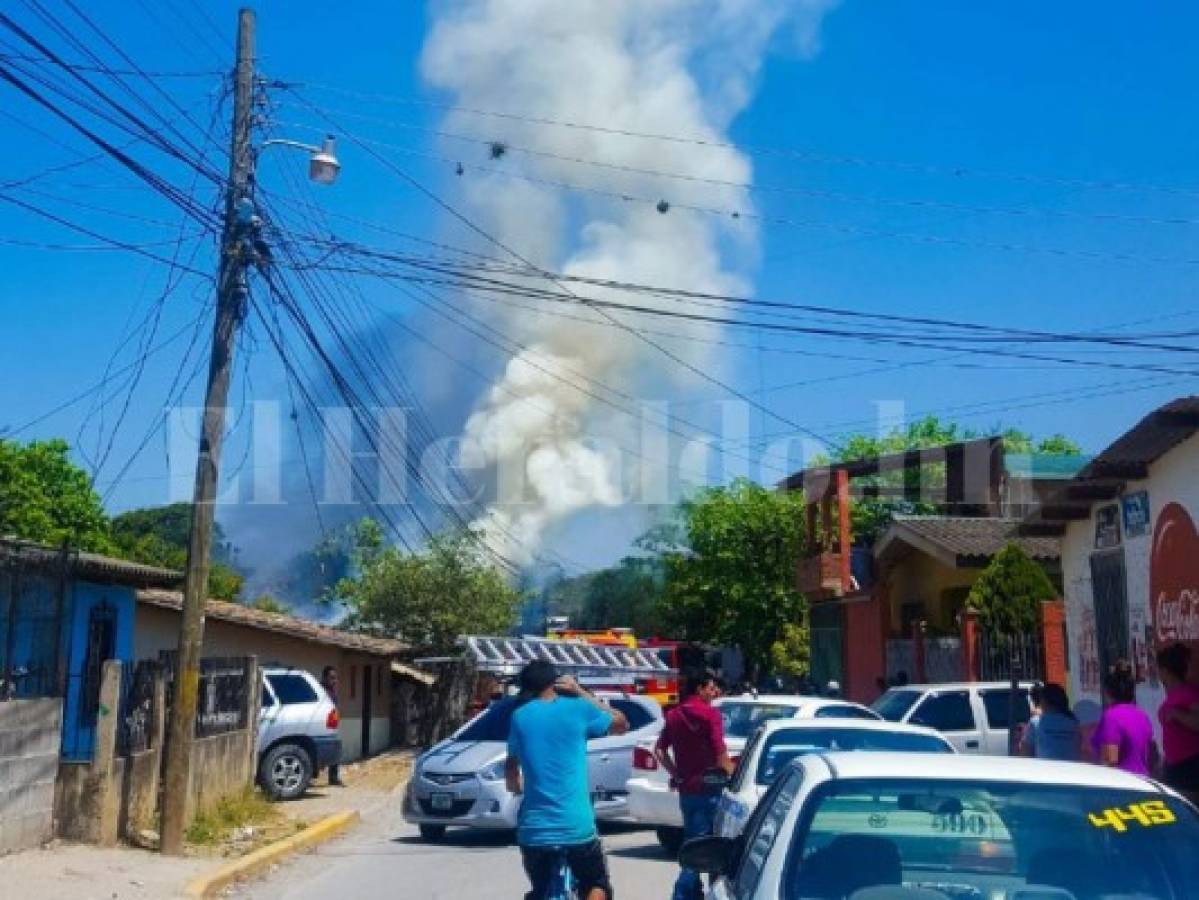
[
  {"x": 460, "y": 782},
  {"x": 297, "y": 732}
]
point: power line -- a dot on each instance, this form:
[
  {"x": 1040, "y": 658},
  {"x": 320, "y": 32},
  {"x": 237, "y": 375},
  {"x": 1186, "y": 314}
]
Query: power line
[
  {"x": 956, "y": 172},
  {"x": 748, "y": 186}
]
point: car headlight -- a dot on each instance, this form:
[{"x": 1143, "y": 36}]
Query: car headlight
[{"x": 493, "y": 772}]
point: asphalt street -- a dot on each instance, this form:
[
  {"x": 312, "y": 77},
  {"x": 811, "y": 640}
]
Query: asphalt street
[{"x": 385, "y": 858}]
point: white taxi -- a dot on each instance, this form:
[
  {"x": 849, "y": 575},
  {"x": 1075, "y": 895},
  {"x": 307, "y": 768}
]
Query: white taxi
[
  {"x": 904, "y": 826},
  {"x": 776, "y": 744}
]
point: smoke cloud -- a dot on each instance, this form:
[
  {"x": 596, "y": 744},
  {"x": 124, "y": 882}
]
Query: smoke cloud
[{"x": 676, "y": 67}]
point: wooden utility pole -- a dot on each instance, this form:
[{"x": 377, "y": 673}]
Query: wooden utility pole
[{"x": 230, "y": 310}]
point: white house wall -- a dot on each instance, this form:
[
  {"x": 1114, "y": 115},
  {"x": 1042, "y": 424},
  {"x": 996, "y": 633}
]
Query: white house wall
[{"x": 1173, "y": 478}]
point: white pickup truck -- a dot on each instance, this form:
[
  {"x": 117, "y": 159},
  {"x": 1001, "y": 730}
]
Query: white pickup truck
[{"x": 973, "y": 716}]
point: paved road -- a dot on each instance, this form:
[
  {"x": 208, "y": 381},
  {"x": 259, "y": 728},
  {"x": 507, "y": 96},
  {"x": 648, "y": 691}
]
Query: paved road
[{"x": 384, "y": 859}]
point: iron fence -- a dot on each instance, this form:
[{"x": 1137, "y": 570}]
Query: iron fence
[
  {"x": 135, "y": 728},
  {"x": 1002, "y": 657},
  {"x": 223, "y": 699}
]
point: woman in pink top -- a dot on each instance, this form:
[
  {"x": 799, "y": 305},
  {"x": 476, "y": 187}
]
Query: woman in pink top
[
  {"x": 1124, "y": 738},
  {"x": 1179, "y": 715}
]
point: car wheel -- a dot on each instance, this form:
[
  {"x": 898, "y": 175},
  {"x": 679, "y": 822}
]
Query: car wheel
[
  {"x": 286, "y": 772},
  {"x": 671, "y": 839},
  {"x": 432, "y": 833}
]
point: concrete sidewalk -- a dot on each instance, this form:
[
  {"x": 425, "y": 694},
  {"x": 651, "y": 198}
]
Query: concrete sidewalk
[{"x": 63, "y": 871}]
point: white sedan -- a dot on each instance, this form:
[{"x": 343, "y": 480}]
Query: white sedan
[
  {"x": 650, "y": 798},
  {"x": 779, "y": 742},
  {"x": 904, "y": 826}
]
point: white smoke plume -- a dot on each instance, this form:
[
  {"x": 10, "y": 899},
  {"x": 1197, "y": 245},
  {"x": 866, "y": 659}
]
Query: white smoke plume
[{"x": 674, "y": 67}]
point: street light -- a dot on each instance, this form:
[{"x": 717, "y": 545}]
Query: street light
[{"x": 323, "y": 165}]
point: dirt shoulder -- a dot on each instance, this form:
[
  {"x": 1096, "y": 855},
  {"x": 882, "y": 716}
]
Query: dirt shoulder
[{"x": 65, "y": 871}]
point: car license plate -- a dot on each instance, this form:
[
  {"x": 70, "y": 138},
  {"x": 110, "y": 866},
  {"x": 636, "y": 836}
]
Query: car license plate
[{"x": 442, "y": 802}]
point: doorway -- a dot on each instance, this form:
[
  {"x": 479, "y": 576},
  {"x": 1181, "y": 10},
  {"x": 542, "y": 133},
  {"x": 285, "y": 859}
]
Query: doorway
[
  {"x": 368, "y": 694},
  {"x": 1109, "y": 587}
]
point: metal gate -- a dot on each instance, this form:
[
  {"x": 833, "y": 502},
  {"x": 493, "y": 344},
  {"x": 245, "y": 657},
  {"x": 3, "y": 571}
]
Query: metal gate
[
  {"x": 83, "y": 683},
  {"x": 1109, "y": 589}
]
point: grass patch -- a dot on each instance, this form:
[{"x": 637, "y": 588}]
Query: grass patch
[{"x": 216, "y": 824}]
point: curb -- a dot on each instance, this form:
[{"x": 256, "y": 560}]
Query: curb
[{"x": 211, "y": 884}]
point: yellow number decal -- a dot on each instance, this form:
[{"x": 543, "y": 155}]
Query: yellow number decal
[
  {"x": 1108, "y": 818},
  {"x": 1158, "y": 812},
  {"x": 1147, "y": 814}
]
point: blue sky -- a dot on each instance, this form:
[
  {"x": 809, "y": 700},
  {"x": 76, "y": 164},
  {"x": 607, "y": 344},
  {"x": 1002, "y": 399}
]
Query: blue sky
[{"x": 1074, "y": 119}]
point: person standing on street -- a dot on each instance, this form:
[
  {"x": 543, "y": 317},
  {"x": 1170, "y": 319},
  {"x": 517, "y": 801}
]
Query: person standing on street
[
  {"x": 1179, "y": 717},
  {"x": 1053, "y": 731},
  {"x": 329, "y": 683},
  {"x": 547, "y": 763},
  {"x": 692, "y": 744},
  {"x": 1124, "y": 738}
]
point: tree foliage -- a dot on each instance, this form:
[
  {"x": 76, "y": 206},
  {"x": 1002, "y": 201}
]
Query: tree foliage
[
  {"x": 428, "y": 599},
  {"x": 732, "y": 581},
  {"x": 1009, "y": 592},
  {"x": 158, "y": 536},
  {"x": 625, "y": 595},
  {"x": 44, "y": 497}
]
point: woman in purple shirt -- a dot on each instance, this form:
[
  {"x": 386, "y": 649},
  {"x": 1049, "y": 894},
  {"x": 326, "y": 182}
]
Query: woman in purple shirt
[{"x": 1124, "y": 738}]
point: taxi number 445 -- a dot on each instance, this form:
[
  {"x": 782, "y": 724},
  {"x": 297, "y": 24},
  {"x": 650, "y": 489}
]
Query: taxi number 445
[{"x": 1146, "y": 815}]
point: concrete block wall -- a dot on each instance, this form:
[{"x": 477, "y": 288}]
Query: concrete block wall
[{"x": 30, "y": 736}]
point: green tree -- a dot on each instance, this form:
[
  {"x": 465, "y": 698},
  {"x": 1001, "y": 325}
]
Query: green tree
[
  {"x": 1009, "y": 592},
  {"x": 731, "y": 578},
  {"x": 428, "y": 599},
  {"x": 158, "y": 536},
  {"x": 791, "y": 654},
  {"x": 45, "y": 497},
  {"x": 626, "y": 595}
]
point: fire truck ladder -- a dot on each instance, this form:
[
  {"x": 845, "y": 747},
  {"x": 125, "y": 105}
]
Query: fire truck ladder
[{"x": 589, "y": 663}]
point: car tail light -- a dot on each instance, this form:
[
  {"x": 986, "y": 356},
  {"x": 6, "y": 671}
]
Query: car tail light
[
  {"x": 644, "y": 760},
  {"x": 333, "y": 719}
]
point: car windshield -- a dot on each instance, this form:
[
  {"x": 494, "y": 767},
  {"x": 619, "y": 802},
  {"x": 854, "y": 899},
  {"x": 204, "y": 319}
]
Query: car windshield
[
  {"x": 742, "y": 719},
  {"x": 788, "y": 743},
  {"x": 893, "y": 705},
  {"x": 991, "y": 840},
  {"x": 492, "y": 724}
]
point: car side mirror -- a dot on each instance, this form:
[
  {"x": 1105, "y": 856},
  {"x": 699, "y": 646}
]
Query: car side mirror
[{"x": 711, "y": 855}]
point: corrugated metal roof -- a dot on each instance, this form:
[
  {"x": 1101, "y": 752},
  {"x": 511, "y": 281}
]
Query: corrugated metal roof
[
  {"x": 279, "y": 623},
  {"x": 1128, "y": 458},
  {"x": 968, "y": 540},
  {"x": 89, "y": 566}
]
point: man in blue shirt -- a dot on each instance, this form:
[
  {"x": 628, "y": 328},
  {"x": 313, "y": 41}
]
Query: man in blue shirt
[{"x": 547, "y": 763}]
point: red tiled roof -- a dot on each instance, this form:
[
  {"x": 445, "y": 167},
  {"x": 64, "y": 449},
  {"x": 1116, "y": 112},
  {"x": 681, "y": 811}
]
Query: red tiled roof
[{"x": 279, "y": 623}]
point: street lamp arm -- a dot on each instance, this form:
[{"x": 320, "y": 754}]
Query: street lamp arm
[{"x": 281, "y": 142}]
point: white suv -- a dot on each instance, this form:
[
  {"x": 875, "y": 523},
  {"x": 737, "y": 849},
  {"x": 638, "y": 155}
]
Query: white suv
[{"x": 297, "y": 732}]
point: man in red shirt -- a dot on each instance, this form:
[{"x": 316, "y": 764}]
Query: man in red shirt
[{"x": 691, "y": 744}]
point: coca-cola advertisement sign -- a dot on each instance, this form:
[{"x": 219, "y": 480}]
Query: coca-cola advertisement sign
[{"x": 1174, "y": 577}]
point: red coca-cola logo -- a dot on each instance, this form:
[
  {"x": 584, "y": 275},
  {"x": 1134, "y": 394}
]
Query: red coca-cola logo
[{"x": 1174, "y": 577}]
